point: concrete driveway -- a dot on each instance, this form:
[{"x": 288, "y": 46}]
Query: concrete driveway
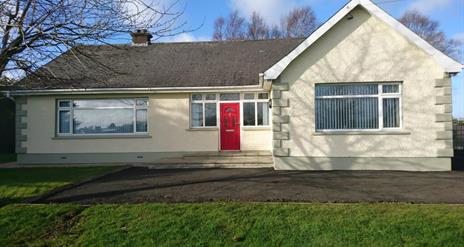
[{"x": 138, "y": 185}]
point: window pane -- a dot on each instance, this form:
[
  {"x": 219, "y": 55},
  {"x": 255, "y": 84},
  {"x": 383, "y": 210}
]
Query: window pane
[
  {"x": 391, "y": 113},
  {"x": 103, "y": 121},
  {"x": 142, "y": 102},
  {"x": 65, "y": 104},
  {"x": 347, "y": 113},
  {"x": 104, "y": 103},
  {"x": 332, "y": 90},
  {"x": 249, "y": 96},
  {"x": 391, "y": 88},
  {"x": 210, "y": 97},
  {"x": 141, "y": 121},
  {"x": 197, "y": 97},
  {"x": 210, "y": 114},
  {"x": 249, "y": 114},
  {"x": 230, "y": 96},
  {"x": 263, "y": 114},
  {"x": 197, "y": 115},
  {"x": 263, "y": 96},
  {"x": 64, "y": 119}
]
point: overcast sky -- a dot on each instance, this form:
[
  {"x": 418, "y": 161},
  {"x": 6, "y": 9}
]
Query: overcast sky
[{"x": 450, "y": 14}]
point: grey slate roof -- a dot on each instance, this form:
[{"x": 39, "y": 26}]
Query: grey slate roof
[{"x": 196, "y": 64}]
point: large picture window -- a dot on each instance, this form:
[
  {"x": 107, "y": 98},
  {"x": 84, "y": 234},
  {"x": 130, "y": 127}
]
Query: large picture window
[
  {"x": 373, "y": 106},
  {"x": 102, "y": 116}
]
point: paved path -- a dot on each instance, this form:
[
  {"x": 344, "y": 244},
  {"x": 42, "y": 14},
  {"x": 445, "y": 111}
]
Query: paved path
[{"x": 138, "y": 185}]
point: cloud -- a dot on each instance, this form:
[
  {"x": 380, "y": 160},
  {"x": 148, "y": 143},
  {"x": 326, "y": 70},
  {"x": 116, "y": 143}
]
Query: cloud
[
  {"x": 270, "y": 10},
  {"x": 185, "y": 37},
  {"x": 427, "y": 6},
  {"x": 141, "y": 13},
  {"x": 459, "y": 37}
]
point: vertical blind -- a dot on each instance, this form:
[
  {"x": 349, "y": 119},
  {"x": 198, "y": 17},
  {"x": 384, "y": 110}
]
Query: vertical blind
[{"x": 357, "y": 106}]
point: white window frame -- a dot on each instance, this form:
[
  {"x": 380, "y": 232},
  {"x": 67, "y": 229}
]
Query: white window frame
[
  {"x": 135, "y": 107},
  {"x": 255, "y": 101},
  {"x": 218, "y": 101},
  {"x": 203, "y": 101},
  {"x": 380, "y": 96}
]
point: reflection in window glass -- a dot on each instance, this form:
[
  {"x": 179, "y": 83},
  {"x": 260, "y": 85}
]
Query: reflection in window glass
[
  {"x": 249, "y": 114},
  {"x": 102, "y": 116},
  {"x": 263, "y": 96},
  {"x": 142, "y": 102},
  {"x": 210, "y": 97},
  {"x": 103, "y": 121},
  {"x": 197, "y": 97},
  {"x": 141, "y": 120},
  {"x": 65, "y": 104},
  {"x": 263, "y": 113},
  {"x": 103, "y": 103},
  {"x": 210, "y": 114},
  {"x": 230, "y": 96},
  {"x": 249, "y": 96},
  {"x": 64, "y": 119},
  {"x": 197, "y": 114}
]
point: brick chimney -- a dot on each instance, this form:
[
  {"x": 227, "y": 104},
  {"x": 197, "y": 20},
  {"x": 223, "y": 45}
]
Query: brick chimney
[{"x": 141, "y": 37}]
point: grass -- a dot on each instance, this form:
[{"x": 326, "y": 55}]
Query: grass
[
  {"x": 17, "y": 184},
  {"x": 213, "y": 224},
  {"x": 233, "y": 224},
  {"x": 5, "y": 158}
]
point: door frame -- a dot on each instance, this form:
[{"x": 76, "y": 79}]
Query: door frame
[{"x": 239, "y": 102}]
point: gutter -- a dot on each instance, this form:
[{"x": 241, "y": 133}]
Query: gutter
[{"x": 131, "y": 90}]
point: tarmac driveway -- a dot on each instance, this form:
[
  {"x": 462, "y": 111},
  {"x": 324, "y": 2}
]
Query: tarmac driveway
[{"x": 138, "y": 185}]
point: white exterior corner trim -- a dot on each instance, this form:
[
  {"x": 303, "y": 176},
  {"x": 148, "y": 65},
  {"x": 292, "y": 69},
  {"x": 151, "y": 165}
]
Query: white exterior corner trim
[{"x": 447, "y": 63}]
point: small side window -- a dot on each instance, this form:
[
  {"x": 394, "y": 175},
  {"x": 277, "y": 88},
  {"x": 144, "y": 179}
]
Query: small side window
[
  {"x": 64, "y": 103},
  {"x": 391, "y": 88},
  {"x": 249, "y": 96},
  {"x": 263, "y": 96},
  {"x": 197, "y": 97}
]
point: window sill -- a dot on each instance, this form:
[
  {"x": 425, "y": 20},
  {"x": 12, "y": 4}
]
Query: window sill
[
  {"x": 385, "y": 132},
  {"x": 203, "y": 129},
  {"x": 248, "y": 128},
  {"x": 100, "y": 137}
]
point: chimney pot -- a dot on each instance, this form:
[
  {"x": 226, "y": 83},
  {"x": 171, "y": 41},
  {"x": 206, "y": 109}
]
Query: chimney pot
[{"x": 141, "y": 37}]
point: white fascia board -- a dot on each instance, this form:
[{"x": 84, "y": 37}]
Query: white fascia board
[
  {"x": 82, "y": 91},
  {"x": 447, "y": 63}
]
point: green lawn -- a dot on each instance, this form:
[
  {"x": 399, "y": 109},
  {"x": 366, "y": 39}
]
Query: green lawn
[
  {"x": 231, "y": 224},
  {"x": 213, "y": 224},
  {"x": 5, "y": 158},
  {"x": 17, "y": 184}
]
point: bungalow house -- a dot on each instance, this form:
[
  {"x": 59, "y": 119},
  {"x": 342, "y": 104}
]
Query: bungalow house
[{"x": 361, "y": 92}]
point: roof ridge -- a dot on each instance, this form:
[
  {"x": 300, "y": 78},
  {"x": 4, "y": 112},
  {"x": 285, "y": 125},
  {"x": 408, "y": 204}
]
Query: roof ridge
[{"x": 194, "y": 42}]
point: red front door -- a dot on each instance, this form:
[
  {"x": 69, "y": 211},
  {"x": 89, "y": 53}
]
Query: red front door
[{"x": 230, "y": 126}]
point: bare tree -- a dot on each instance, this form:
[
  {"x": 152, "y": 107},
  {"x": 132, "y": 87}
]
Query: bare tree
[
  {"x": 218, "y": 33},
  {"x": 235, "y": 27},
  {"x": 257, "y": 28},
  {"x": 299, "y": 23},
  {"x": 430, "y": 31},
  {"x": 35, "y": 31},
  {"x": 232, "y": 28},
  {"x": 275, "y": 32}
]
